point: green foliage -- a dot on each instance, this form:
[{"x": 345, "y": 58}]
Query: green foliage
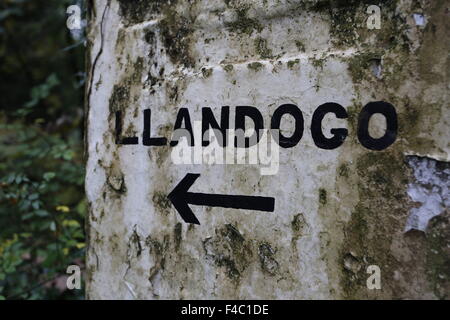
[
  {"x": 39, "y": 93},
  {"x": 42, "y": 205}
]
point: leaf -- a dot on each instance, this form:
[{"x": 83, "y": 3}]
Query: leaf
[
  {"x": 49, "y": 176},
  {"x": 27, "y": 215},
  {"x": 63, "y": 208},
  {"x": 42, "y": 254},
  {"x": 80, "y": 245},
  {"x": 33, "y": 196},
  {"x": 41, "y": 213},
  {"x": 81, "y": 207},
  {"x": 70, "y": 223},
  {"x": 35, "y": 205},
  {"x": 18, "y": 179},
  {"x": 68, "y": 155},
  {"x": 9, "y": 12},
  {"x": 41, "y": 91},
  {"x": 11, "y": 178}
]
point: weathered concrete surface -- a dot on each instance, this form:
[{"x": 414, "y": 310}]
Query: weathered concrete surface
[{"x": 337, "y": 211}]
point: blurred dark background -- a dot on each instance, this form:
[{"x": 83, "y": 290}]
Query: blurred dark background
[{"x": 42, "y": 205}]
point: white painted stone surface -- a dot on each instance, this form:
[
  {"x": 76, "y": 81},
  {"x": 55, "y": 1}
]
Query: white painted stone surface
[{"x": 336, "y": 211}]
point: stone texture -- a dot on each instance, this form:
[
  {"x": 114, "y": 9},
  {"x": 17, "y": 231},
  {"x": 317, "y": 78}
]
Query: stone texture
[{"x": 337, "y": 211}]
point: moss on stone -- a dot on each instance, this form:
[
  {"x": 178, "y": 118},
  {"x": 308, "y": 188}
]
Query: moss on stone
[
  {"x": 229, "y": 250},
  {"x": 438, "y": 255},
  {"x": 300, "y": 46},
  {"x": 359, "y": 65},
  {"x": 255, "y": 66},
  {"x": 162, "y": 203},
  {"x": 292, "y": 63},
  {"x": 262, "y": 49},
  {"x": 299, "y": 227},
  {"x": 267, "y": 258},
  {"x": 120, "y": 98},
  {"x": 348, "y": 19},
  {"x": 207, "y": 72},
  {"x": 137, "y": 11},
  {"x": 322, "y": 196},
  {"x": 344, "y": 170},
  {"x": 177, "y": 231},
  {"x": 135, "y": 241},
  {"x": 228, "y": 68},
  {"x": 244, "y": 24},
  {"x": 176, "y": 33},
  {"x": 317, "y": 63},
  {"x": 382, "y": 178}
]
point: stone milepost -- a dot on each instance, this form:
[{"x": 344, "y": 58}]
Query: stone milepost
[{"x": 357, "y": 189}]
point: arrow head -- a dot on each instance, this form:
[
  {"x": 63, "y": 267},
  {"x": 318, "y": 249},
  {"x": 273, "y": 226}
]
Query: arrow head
[{"x": 178, "y": 197}]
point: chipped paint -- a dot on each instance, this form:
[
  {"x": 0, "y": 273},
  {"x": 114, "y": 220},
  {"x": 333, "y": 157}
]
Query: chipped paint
[{"x": 430, "y": 190}]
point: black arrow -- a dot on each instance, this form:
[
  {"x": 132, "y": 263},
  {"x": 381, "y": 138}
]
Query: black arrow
[{"x": 181, "y": 198}]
